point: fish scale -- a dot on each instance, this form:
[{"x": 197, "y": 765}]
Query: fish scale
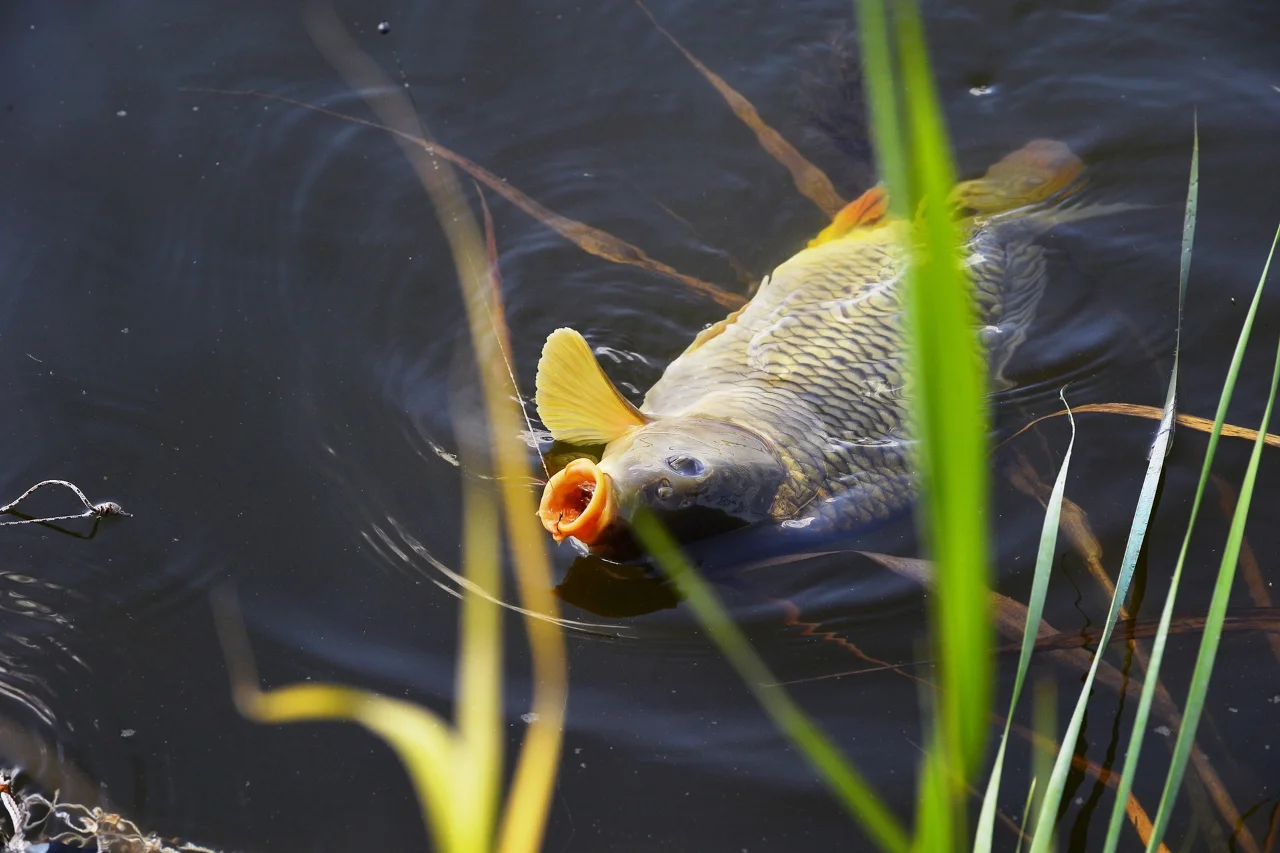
[{"x": 815, "y": 362}]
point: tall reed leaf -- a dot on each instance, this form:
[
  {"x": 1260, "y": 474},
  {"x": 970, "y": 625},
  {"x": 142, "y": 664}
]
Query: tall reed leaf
[
  {"x": 1137, "y": 533},
  {"x": 853, "y": 792},
  {"x": 1035, "y": 607},
  {"x": 1226, "y": 574},
  {"x": 1157, "y": 652},
  {"x": 947, "y": 384}
]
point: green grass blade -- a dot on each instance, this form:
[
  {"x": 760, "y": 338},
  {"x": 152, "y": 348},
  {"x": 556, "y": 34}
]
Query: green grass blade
[
  {"x": 886, "y": 123},
  {"x": 1125, "y": 785},
  {"x": 947, "y": 390},
  {"x": 1026, "y": 810},
  {"x": 984, "y": 837},
  {"x": 1137, "y": 534},
  {"x": 854, "y": 792},
  {"x": 950, "y": 415},
  {"x": 1226, "y": 574}
]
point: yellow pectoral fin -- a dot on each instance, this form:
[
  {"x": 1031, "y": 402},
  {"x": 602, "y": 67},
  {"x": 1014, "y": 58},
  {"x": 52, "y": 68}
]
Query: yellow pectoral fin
[{"x": 576, "y": 401}]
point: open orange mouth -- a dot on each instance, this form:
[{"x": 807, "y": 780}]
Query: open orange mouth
[{"x": 578, "y": 502}]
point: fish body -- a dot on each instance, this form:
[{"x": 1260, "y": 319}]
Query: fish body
[{"x": 793, "y": 409}]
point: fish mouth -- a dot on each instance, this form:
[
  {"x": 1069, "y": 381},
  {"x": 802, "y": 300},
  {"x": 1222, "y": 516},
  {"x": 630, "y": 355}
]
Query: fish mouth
[{"x": 579, "y": 502}]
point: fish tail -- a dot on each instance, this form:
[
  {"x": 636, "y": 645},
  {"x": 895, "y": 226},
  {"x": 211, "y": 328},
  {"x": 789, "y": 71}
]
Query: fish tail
[{"x": 1035, "y": 173}]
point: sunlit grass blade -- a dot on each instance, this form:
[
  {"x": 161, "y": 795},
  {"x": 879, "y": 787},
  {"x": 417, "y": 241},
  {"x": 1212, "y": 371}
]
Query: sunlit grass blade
[
  {"x": 1226, "y": 574},
  {"x": 853, "y": 791},
  {"x": 946, "y": 384},
  {"x": 1137, "y": 531},
  {"x": 983, "y": 839}
]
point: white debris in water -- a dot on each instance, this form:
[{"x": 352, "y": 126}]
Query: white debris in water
[
  {"x": 121, "y": 113},
  {"x": 1164, "y": 730},
  {"x": 128, "y": 732},
  {"x": 1234, "y": 710},
  {"x": 1275, "y": 700},
  {"x": 530, "y": 717},
  {"x": 452, "y": 459},
  {"x": 979, "y": 91}
]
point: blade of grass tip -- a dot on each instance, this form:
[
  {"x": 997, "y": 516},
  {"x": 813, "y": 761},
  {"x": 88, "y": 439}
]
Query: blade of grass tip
[
  {"x": 1026, "y": 811},
  {"x": 1129, "y": 771},
  {"x": 1137, "y": 531},
  {"x": 984, "y": 837},
  {"x": 853, "y": 792},
  {"x": 423, "y": 742},
  {"x": 1222, "y": 587}
]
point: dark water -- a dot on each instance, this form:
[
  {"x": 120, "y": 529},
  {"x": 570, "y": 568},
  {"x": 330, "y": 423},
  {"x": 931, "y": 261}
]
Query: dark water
[{"x": 239, "y": 320}]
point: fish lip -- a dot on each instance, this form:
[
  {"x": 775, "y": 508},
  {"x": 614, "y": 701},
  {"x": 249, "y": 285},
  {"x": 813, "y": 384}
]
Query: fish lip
[{"x": 564, "y": 512}]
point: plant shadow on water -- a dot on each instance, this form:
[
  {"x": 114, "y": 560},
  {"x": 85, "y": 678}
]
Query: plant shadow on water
[{"x": 237, "y": 317}]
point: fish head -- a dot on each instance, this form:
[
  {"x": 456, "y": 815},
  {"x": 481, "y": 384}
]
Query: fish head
[{"x": 698, "y": 476}]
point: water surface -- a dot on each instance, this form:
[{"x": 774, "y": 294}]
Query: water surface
[{"x": 238, "y": 319}]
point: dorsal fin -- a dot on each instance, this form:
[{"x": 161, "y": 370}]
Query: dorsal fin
[
  {"x": 576, "y": 401},
  {"x": 715, "y": 330},
  {"x": 1034, "y": 173},
  {"x": 865, "y": 210}
]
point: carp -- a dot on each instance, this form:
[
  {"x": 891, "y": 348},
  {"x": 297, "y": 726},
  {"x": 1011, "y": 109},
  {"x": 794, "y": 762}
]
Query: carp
[{"x": 792, "y": 411}]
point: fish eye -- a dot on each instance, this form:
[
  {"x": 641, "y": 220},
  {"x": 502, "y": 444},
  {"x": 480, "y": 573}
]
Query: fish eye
[{"x": 686, "y": 466}]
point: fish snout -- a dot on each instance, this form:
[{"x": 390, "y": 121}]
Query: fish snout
[{"x": 578, "y": 501}]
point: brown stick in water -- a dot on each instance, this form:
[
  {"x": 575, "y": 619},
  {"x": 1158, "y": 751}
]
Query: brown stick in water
[
  {"x": 1249, "y": 569},
  {"x": 1153, "y": 413},
  {"x": 811, "y": 181},
  {"x": 589, "y": 239}
]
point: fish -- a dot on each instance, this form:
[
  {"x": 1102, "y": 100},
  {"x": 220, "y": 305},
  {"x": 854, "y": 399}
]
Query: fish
[{"x": 791, "y": 413}]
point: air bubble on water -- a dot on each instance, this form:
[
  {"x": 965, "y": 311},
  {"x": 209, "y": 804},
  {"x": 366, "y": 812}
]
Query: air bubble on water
[{"x": 384, "y": 27}]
